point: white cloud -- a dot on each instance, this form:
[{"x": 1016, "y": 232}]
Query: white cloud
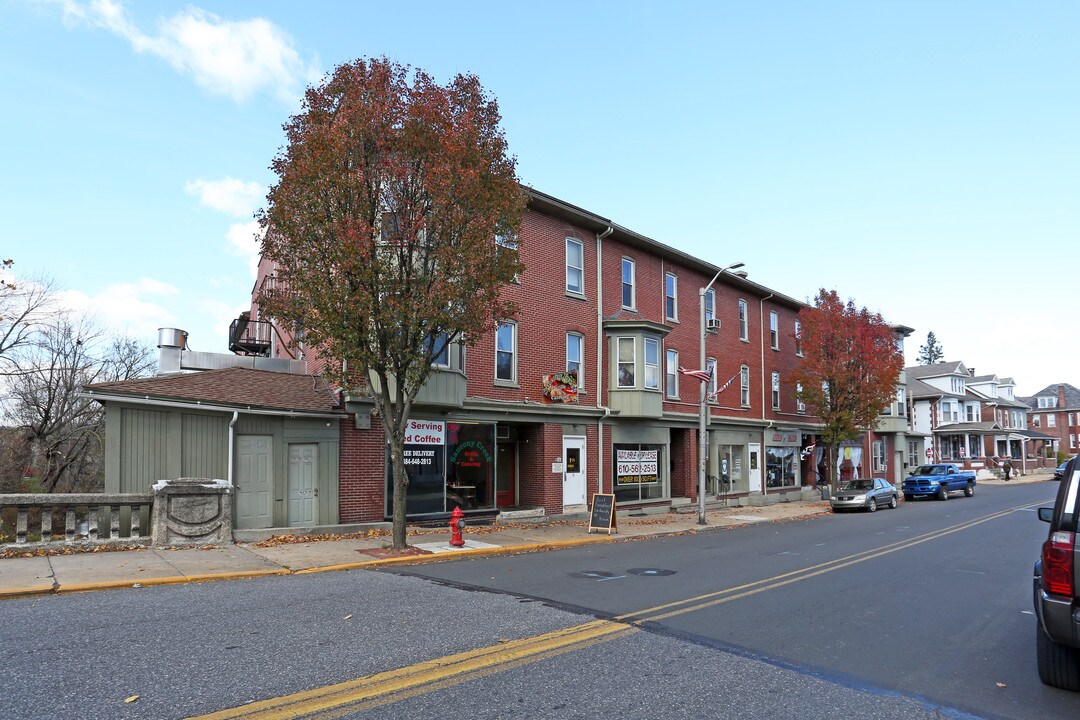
[
  {"x": 237, "y": 59},
  {"x": 229, "y": 195},
  {"x": 130, "y": 308},
  {"x": 245, "y": 240}
]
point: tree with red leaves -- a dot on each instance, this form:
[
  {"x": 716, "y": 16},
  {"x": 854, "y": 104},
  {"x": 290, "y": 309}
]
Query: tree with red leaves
[
  {"x": 850, "y": 369},
  {"x": 391, "y": 195}
]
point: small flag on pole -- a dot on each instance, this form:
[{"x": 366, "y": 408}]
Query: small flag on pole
[
  {"x": 807, "y": 450},
  {"x": 702, "y": 375}
]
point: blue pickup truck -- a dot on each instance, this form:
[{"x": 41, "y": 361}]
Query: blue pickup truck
[{"x": 938, "y": 481}]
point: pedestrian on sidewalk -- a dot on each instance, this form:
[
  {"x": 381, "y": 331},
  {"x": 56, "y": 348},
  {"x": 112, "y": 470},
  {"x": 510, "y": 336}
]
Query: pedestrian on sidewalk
[{"x": 1008, "y": 469}]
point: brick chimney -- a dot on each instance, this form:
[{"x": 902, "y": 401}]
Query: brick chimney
[{"x": 1061, "y": 396}]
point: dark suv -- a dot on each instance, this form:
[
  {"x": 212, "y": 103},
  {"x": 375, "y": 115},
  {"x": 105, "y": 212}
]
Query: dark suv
[{"x": 1056, "y": 588}]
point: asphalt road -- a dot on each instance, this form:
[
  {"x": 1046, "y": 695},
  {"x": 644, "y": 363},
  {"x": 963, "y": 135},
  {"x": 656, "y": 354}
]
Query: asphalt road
[{"x": 919, "y": 612}]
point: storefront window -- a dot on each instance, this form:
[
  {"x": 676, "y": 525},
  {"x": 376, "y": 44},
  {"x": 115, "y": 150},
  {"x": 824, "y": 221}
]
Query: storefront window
[
  {"x": 470, "y": 466},
  {"x": 781, "y": 467},
  {"x": 448, "y": 465},
  {"x": 732, "y": 478},
  {"x": 638, "y": 472}
]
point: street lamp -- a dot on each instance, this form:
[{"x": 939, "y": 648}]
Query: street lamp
[{"x": 703, "y": 447}]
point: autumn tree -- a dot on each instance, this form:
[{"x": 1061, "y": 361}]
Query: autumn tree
[
  {"x": 382, "y": 225},
  {"x": 850, "y": 368},
  {"x": 931, "y": 353}
]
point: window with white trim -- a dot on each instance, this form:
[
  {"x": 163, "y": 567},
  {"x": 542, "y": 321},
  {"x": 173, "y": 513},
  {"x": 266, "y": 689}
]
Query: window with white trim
[
  {"x": 652, "y": 364},
  {"x": 438, "y": 348},
  {"x": 1036, "y": 421},
  {"x": 626, "y": 358},
  {"x": 506, "y": 352},
  {"x": 1051, "y": 420},
  {"x": 628, "y": 284},
  {"x": 800, "y": 406},
  {"x": 774, "y": 331},
  {"x": 672, "y": 371},
  {"x": 901, "y": 402},
  {"x": 1071, "y": 423},
  {"x": 575, "y": 357},
  {"x": 710, "y": 306},
  {"x": 879, "y": 455},
  {"x": 1047, "y": 402},
  {"x": 1072, "y": 441},
  {"x": 913, "y": 453},
  {"x": 744, "y": 321},
  {"x": 575, "y": 266},
  {"x": 798, "y": 338},
  {"x": 776, "y": 391},
  {"x": 744, "y": 385},
  {"x": 671, "y": 296}
]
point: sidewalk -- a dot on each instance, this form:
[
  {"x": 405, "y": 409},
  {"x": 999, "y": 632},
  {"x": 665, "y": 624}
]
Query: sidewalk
[
  {"x": 300, "y": 554},
  {"x": 82, "y": 571}
]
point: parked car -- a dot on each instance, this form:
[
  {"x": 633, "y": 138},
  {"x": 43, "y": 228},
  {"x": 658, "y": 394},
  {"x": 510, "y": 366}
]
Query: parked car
[
  {"x": 866, "y": 494},
  {"x": 1059, "y": 471},
  {"x": 1056, "y": 589},
  {"x": 938, "y": 481}
]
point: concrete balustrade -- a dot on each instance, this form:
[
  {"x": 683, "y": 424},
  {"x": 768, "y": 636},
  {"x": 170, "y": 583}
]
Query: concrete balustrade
[{"x": 102, "y": 514}]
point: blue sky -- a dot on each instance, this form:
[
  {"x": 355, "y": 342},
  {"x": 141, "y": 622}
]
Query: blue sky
[{"x": 918, "y": 157}]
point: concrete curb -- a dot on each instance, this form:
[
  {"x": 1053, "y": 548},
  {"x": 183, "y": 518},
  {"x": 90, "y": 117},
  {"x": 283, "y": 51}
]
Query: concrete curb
[{"x": 58, "y": 589}]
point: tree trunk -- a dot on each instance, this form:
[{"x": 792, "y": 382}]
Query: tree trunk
[{"x": 401, "y": 486}]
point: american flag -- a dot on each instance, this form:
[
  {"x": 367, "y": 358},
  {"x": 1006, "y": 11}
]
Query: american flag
[{"x": 702, "y": 375}]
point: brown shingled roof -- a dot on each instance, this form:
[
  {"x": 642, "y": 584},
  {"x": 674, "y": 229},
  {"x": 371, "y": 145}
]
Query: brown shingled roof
[{"x": 242, "y": 387}]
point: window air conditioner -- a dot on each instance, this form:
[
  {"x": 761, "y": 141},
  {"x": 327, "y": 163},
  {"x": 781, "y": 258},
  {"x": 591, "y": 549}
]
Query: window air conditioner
[
  {"x": 712, "y": 324},
  {"x": 502, "y": 432}
]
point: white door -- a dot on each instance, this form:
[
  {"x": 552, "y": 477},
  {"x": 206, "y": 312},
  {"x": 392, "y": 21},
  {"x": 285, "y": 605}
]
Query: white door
[
  {"x": 303, "y": 484},
  {"x": 573, "y": 490},
  {"x": 254, "y": 481},
  {"x": 755, "y": 467}
]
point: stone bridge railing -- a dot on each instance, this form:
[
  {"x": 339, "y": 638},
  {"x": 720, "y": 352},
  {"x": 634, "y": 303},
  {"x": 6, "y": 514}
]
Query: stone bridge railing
[
  {"x": 182, "y": 511},
  {"x": 92, "y": 517}
]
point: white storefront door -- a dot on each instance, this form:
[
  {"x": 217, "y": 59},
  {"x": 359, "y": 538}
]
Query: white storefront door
[{"x": 574, "y": 470}]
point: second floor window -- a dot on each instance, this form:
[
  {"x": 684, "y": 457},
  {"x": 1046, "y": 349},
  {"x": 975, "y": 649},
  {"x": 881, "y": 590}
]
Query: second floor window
[
  {"x": 575, "y": 357},
  {"x": 776, "y": 391},
  {"x": 626, "y": 360},
  {"x": 1051, "y": 420},
  {"x": 1035, "y": 421},
  {"x": 971, "y": 417},
  {"x": 710, "y": 306},
  {"x": 798, "y": 338},
  {"x": 628, "y": 299},
  {"x": 901, "y": 402},
  {"x": 671, "y": 297},
  {"x": 774, "y": 331},
  {"x": 744, "y": 386},
  {"x": 506, "y": 352},
  {"x": 575, "y": 266},
  {"x": 672, "y": 373},
  {"x": 744, "y": 321},
  {"x": 438, "y": 348},
  {"x": 652, "y": 364},
  {"x": 800, "y": 406}
]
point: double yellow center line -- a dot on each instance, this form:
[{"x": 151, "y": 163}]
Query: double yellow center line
[{"x": 360, "y": 694}]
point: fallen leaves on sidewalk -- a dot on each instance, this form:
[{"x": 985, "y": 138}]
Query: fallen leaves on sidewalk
[{"x": 15, "y": 552}]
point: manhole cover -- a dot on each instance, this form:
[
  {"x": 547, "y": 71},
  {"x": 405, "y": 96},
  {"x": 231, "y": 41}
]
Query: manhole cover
[{"x": 650, "y": 571}]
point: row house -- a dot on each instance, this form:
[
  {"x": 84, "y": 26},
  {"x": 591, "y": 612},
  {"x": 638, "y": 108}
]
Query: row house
[
  {"x": 501, "y": 426},
  {"x": 580, "y": 393},
  {"x": 1055, "y": 411},
  {"x": 966, "y": 418}
]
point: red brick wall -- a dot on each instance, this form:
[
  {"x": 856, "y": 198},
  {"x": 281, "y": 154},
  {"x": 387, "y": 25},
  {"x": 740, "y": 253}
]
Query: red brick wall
[{"x": 362, "y": 493}]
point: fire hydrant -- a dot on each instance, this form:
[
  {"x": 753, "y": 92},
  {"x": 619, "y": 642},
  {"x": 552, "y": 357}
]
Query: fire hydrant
[{"x": 457, "y": 524}]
